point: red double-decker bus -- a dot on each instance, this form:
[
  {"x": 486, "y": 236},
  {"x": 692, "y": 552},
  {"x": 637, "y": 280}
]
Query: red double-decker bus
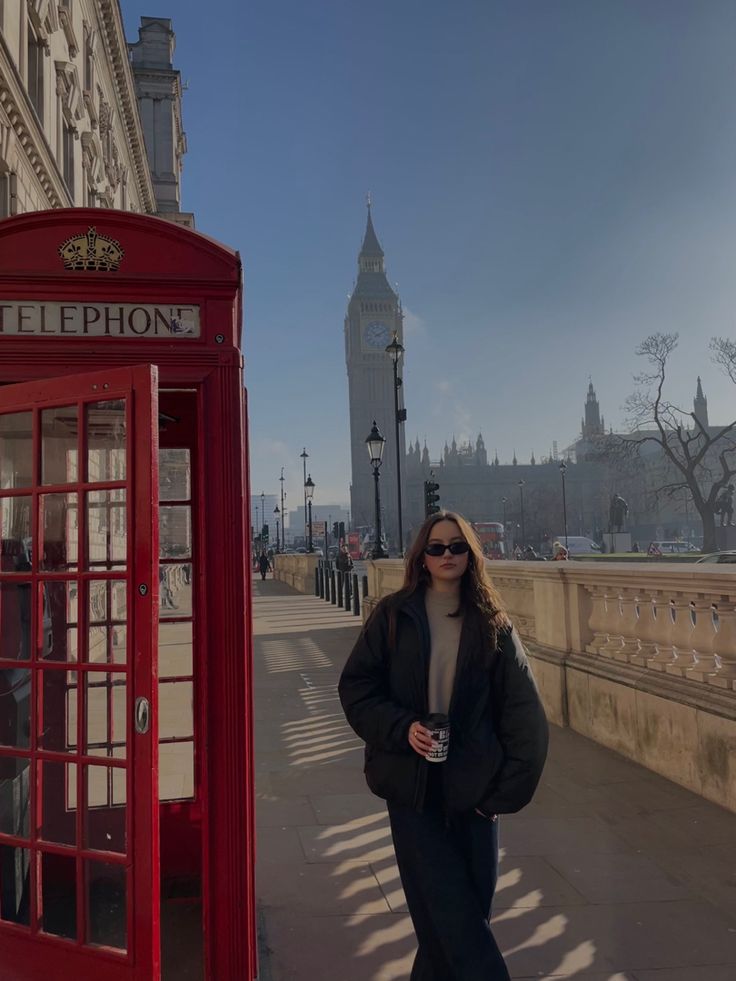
[{"x": 492, "y": 538}]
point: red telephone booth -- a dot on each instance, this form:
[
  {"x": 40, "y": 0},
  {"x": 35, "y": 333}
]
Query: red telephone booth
[{"x": 126, "y": 753}]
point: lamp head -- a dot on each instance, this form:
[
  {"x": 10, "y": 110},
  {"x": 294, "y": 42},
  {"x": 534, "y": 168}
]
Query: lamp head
[
  {"x": 395, "y": 349},
  {"x": 375, "y": 443}
]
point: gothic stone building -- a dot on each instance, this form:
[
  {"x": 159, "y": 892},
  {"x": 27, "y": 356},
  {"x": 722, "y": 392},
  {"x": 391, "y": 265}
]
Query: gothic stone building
[
  {"x": 83, "y": 114},
  {"x": 477, "y": 488}
]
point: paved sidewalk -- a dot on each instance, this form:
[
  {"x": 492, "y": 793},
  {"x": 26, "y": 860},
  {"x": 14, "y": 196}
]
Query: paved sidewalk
[{"x": 611, "y": 874}]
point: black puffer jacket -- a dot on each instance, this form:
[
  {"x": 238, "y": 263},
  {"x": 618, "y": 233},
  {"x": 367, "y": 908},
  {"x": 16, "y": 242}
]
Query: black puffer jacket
[{"x": 498, "y": 741}]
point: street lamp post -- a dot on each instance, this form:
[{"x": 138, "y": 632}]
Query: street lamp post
[
  {"x": 309, "y": 491},
  {"x": 503, "y": 505},
  {"x": 304, "y": 456},
  {"x": 283, "y": 513},
  {"x": 263, "y": 511},
  {"x": 521, "y": 499},
  {"x": 563, "y": 471},
  {"x": 395, "y": 350},
  {"x": 375, "y": 443},
  {"x": 277, "y": 512}
]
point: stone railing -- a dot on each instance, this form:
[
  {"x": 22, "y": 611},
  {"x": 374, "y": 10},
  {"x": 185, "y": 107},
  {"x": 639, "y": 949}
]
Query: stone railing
[{"x": 639, "y": 658}]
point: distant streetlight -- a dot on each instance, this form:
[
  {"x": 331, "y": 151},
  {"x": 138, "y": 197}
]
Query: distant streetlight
[
  {"x": 309, "y": 491},
  {"x": 521, "y": 499},
  {"x": 277, "y": 512},
  {"x": 304, "y": 455},
  {"x": 283, "y": 513},
  {"x": 563, "y": 471},
  {"x": 375, "y": 443},
  {"x": 395, "y": 350}
]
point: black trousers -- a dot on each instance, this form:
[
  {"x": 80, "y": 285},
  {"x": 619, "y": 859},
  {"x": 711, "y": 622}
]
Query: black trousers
[{"x": 449, "y": 876}]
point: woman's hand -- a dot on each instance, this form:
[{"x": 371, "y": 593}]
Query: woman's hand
[{"x": 420, "y": 739}]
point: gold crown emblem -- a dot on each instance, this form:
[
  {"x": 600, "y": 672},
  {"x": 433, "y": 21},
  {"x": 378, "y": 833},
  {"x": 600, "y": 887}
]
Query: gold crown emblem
[{"x": 91, "y": 251}]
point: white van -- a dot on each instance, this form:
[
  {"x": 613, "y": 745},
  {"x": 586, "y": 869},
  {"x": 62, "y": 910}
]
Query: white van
[{"x": 579, "y": 545}]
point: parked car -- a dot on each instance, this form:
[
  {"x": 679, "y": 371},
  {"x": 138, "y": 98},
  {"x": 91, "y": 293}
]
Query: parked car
[{"x": 718, "y": 558}]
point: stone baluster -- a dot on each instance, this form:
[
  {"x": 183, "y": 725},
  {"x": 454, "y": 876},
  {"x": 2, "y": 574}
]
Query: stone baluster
[
  {"x": 725, "y": 645},
  {"x": 646, "y": 629},
  {"x": 629, "y": 625},
  {"x": 703, "y": 639},
  {"x": 682, "y": 632},
  {"x": 613, "y": 624},
  {"x": 597, "y": 620},
  {"x": 663, "y": 639}
]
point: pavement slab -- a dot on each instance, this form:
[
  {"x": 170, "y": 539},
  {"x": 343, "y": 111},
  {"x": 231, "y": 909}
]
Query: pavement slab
[{"x": 611, "y": 874}]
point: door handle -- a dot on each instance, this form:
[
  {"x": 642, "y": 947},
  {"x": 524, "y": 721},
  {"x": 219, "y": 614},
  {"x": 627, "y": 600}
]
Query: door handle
[{"x": 142, "y": 715}]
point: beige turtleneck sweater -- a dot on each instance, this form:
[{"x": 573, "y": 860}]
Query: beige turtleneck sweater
[{"x": 445, "y": 640}]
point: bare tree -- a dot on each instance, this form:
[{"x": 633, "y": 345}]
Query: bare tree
[
  {"x": 701, "y": 459},
  {"x": 724, "y": 354}
]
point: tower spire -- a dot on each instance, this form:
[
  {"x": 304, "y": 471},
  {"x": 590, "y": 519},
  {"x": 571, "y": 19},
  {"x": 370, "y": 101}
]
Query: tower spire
[
  {"x": 371, "y": 247},
  {"x": 700, "y": 406}
]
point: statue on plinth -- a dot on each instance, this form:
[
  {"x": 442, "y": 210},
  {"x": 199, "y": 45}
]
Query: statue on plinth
[
  {"x": 724, "y": 505},
  {"x": 617, "y": 513}
]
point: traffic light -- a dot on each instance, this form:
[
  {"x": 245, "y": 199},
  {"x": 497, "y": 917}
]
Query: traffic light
[
  {"x": 431, "y": 497},
  {"x": 341, "y": 530},
  {"x": 336, "y": 530},
  {"x": 264, "y": 533}
]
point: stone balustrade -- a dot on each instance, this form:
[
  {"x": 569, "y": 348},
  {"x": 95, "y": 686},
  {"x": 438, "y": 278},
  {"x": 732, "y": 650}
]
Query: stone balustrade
[
  {"x": 641, "y": 658},
  {"x": 296, "y": 570}
]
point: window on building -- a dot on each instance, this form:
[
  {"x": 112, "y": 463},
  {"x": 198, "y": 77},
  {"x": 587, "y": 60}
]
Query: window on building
[
  {"x": 4, "y": 190},
  {"x": 35, "y": 72},
  {"x": 67, "y": 157}
]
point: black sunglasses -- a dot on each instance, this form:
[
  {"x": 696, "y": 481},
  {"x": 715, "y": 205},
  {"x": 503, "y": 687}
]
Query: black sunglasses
[{"x": 436, "y": 549}]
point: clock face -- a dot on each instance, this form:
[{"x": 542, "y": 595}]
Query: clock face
[{"x": 376, "y": 335}]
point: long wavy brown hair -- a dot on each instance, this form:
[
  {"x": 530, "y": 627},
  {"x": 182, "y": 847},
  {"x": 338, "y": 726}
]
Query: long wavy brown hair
[{"x": 477, "y": 592}]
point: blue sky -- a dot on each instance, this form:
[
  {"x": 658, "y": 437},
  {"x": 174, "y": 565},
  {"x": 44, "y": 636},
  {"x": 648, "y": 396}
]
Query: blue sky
[{"x": 552, "y": 180}]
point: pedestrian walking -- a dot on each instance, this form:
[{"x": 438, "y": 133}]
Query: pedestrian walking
[
  {"x": 439, "y": 688},
  {"x": 264, "y": 565},
  {"x": 344, "y": 561}
]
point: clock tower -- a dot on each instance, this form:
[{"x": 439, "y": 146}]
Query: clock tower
[{"x": 374, "y": 315}]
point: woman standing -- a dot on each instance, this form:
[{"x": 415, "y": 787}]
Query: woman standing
[{"x": 442, "y": 645}]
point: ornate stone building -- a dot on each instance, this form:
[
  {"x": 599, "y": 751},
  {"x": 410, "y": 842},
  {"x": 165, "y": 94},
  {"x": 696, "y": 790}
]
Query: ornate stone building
[
  {"x": 373, "y": 316},
  {"x": 71, "y": 132},
  {"x": 596, "y": 469}
]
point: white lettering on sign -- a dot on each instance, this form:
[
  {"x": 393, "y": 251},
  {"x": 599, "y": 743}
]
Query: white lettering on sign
[{"x": 98, "y": 319}]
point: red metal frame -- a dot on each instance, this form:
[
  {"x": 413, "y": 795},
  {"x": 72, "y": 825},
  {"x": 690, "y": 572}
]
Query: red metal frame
[{"x": 166, "y": 264}]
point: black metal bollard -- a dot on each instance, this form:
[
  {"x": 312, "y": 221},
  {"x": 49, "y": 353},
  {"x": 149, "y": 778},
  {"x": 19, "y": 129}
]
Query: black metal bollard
[
  {"x": 316, "y": 580},
  {"x": 340, "y": 577},
  {"x": 333, "y": 589},
  {"x": 348, "y": 598},
  {"x": 356, "y": 596},
  {"x": 327, "y": 582},
  {"x": 321, "y": 581},
  {"x": 365, "y": 586}
]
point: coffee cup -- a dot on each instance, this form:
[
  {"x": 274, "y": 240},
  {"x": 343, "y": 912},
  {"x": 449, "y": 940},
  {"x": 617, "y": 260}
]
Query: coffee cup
[{"x": 439, "y": 728}]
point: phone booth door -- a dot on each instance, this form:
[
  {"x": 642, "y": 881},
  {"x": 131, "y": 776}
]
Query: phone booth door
[{"x": 79, "y": 875}]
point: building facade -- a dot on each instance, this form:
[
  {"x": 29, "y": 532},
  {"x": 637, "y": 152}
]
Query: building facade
[
  {"x": 71, "y": 129},
  {"x": 528, "y": 496},
  {"x": 373, "y": 317}
]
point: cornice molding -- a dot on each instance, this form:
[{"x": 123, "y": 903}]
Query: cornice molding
[
  {"x": 116, "y": 47},
  {"x": 29, "y": 132}
]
